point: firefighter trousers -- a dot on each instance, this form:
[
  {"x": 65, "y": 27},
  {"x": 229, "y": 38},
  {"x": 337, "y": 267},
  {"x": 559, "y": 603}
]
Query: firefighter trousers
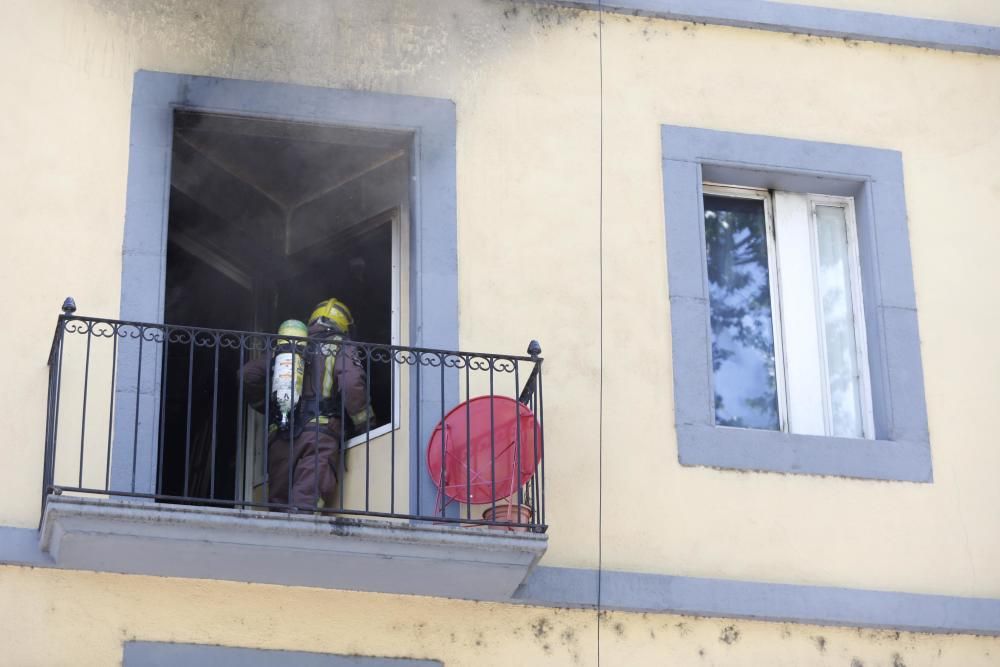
[{"x": 313, "y": 458}]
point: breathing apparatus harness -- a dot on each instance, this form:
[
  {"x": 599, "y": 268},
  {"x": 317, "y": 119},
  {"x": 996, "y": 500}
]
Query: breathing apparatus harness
[
  {"x": 292, "y": 359},
  {"x": 318, "y": 355}
]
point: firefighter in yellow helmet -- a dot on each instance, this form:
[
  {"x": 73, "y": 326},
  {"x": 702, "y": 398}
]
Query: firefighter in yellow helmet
[
  {"x": 304, "y": 450},
  {"x": 332, "y": 315}
]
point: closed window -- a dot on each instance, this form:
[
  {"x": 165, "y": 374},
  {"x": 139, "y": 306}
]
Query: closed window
[{"x": 785, "y": 304}]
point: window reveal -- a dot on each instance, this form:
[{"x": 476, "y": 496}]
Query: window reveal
[{"x": 788, "y": 335}]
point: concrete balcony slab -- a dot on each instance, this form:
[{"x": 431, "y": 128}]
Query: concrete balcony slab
[{"x": 381, "y": 556}]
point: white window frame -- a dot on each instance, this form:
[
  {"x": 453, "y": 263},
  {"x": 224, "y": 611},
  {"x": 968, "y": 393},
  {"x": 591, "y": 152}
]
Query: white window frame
[
  {"x": 783, "y": 327},
  {"x": 773, "y": 284},
  {"x": 396, "y": 215},
  {"x": 253, "y": 461},
  {"x": 857, "y": 302}
]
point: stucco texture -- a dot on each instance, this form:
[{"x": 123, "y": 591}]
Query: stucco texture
[
  {"x": 935, "y": 108},
  {"x": 526, "y": 83},
  {"x": 54, "y": 617}
]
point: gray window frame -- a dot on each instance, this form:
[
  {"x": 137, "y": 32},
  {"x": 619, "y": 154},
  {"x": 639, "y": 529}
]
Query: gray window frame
[
  {"x": 874, "y": 177},
  {"x": 166, "y": 654},
  {"x": 433, "y": 230}
]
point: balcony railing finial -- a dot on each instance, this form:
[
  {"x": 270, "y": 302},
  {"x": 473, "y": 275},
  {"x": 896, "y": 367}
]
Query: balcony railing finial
[
  {"x": 534, "y": 348},
  {"x": 69, "y": 306}
]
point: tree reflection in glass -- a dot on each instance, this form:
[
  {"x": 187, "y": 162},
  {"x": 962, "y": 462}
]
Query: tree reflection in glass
[{"x": 743, "y": 363}]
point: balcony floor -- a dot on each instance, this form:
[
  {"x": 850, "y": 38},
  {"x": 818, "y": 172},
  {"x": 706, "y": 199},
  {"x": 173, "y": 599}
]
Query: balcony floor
[{"x": 297, "y": 550}]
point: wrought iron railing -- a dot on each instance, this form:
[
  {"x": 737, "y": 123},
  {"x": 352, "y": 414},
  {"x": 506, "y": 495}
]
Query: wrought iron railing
[{"x": 167, "y": 413}]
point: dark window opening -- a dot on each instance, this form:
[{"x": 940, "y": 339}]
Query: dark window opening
[{"x": 266, "y": 219}]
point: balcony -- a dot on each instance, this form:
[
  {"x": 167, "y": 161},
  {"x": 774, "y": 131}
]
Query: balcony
[{"x": 163, "y": 457}]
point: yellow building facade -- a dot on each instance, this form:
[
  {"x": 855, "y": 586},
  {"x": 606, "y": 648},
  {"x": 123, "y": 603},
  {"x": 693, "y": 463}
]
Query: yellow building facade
[{"x": 548, "y": 150}]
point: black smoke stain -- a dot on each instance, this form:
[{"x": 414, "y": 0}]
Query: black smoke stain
[
  {"x": 541, "y": 628},
  {"x": 544, "y": 16},
  {"x": 729, "y": 635}
]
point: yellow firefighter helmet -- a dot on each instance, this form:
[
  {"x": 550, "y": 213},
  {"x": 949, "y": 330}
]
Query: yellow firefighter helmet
[{"x": 332, "y": 313}]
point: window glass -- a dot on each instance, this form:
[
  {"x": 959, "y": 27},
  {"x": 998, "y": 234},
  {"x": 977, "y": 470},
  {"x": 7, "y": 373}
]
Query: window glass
[
  {"x": 836, "y": 303},
  {"x": 743, "y": 360}
]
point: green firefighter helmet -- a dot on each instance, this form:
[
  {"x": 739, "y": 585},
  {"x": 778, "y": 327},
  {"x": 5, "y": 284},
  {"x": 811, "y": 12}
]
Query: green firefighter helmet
[
  {"x": 293, "y": 328},
  {"x": 332, "y": 313}
]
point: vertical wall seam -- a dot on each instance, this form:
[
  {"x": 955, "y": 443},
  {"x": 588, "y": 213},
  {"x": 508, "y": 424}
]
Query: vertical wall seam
[{"x": 600, "y": 251}]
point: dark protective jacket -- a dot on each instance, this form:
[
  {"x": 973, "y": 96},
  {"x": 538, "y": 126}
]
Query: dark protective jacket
[{"x": 344, "y": 381}]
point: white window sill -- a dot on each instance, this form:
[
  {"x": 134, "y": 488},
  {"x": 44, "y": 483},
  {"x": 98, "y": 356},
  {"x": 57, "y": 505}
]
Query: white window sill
[{"x": 384, "y": 429}]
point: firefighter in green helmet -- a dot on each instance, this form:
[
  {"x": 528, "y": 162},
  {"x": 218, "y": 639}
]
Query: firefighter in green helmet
[{"x": 313, "y": 384}]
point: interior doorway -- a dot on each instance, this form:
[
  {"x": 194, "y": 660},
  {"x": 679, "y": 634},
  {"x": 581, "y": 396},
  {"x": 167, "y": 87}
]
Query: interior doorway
[{"x": 266, "y": 219}]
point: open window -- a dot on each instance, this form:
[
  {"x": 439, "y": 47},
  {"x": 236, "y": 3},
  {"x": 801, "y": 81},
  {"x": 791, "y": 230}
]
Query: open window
[
  {"x": 267, "y": 218},
  {"x": 792, "y": 307},
  {"x": 786, "y": 312}
]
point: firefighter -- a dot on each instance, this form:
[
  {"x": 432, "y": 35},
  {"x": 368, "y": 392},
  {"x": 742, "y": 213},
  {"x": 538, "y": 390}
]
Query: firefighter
[{"x": 333, "y": 385}]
